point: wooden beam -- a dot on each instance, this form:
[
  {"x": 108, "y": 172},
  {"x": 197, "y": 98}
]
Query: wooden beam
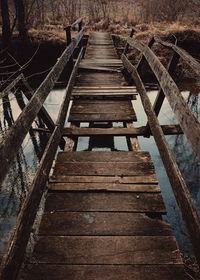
[
  {"x": 184, "y": 115},
  {"x": 179, "y": 187},
  {"x": 7, "y": 90},
  {"x": 18, "y": 131}
]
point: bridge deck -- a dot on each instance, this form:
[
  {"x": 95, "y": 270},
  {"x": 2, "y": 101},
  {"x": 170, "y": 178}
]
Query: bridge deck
[{"x": 102, "y": 217}]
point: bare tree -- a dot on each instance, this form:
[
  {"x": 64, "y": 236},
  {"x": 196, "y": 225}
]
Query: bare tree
[{"x": 6, "y": 31}]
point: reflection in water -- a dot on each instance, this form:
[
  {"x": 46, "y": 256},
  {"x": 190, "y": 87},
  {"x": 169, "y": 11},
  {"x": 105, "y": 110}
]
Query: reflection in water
[{"x": 20, "y": 176}]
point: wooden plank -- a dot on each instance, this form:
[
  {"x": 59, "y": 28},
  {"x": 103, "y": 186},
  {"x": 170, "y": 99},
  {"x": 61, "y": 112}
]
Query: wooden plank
[
  {"x": 17, "y": 133},
  {"x": 145, "y": 179},
  {"x": 184, "y": 115},
  {"x": 179, "y": 186},
  {"x": 139, "y": 131},
  {"x": 102, "y": 108},
  {"x": 99, "y": 168},
  {"x": 105, "y": 201},
  {"x": 107, "y": 250},
  {"x": 104, "y": 187},
  {"x": 94, "y": 94},
  {"x": 96, "y": 156},
  {"x": 105, "y": 88},
  {"x": 106, "y": 272},
  {"x": 98, "y": 117},
  {"x": 102, "y": 224}
]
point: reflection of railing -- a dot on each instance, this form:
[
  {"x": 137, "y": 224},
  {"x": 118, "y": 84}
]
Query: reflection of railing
[
  {"x": 12, "y": 141},
  {"x": 188, "y": 122}
]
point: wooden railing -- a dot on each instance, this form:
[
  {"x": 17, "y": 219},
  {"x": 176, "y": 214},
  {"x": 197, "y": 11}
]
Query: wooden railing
[
  {"x": 188, "y": 122},
  {"x": 11, "y": 143}
]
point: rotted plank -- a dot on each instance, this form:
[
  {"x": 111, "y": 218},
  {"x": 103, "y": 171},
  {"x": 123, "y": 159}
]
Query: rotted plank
[
  {"x": 105, "y": 201},
  {"x": 102, "y": 224}
]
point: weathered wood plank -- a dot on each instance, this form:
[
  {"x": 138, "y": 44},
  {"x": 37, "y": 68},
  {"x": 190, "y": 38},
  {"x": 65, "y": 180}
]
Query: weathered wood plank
[
  {"x": 98, "y": 117},
  {"x": 139, "y": 131},
  {"x": 145, "y": 179},
  {"x": 104, "y": 187},
  {"x": 102, "y": 108},
  {"x": 107, "y": 201},
  {"x": 106, "y": 272},
  {"x": 100, "y": 169},
  {"x": 96, "y": 156},
  {"x": 101, "y": 224},
  {"x": 107, "y": 250},
  {"x": 179, "y": 186},
  {"x": 184, "y": 115}
]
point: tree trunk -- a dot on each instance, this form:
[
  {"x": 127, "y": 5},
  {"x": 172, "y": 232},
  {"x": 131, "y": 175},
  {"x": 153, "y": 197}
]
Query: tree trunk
[
  {"x": 6, "y": 32},
  {"x": 20, "y": 14}
]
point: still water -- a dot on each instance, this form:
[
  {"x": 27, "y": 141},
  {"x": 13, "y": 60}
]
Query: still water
[{"x": 17, "y": 183}]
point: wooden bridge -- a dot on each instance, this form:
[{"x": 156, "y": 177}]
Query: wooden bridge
[{"x": 103, "y": 212}]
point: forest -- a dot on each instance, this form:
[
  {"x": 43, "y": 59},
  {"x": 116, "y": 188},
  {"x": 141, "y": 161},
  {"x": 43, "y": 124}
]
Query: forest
[{"x": 24, "y": 16}]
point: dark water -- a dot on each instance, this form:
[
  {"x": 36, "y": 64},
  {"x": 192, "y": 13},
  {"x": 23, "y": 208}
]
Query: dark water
[{"x": 21, "y": 174}]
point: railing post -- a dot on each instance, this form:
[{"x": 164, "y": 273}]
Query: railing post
[
  {"x": 68, "y": 34},
  {"x": 127, "y": 44},
  {"x": 80, "y": 25},
  {"x": 69, "y": 40}
]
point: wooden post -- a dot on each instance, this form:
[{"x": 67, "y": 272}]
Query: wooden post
[
  {"x": 127, "y": 44},
  {"x": 80, "y": 25},
  {"x": 69, "y": 40}
]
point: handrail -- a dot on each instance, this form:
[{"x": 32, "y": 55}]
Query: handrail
[
  {"x": 186, "y": 118},
  {"x": 191, "y": 61},
  {"x": 18, "y": 131},
  {"x": 16, "y": 134},
  {"x": 179, "y": 187}
]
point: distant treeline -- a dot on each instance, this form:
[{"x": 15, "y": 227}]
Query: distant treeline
[{"x": 24, "y": 14}]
